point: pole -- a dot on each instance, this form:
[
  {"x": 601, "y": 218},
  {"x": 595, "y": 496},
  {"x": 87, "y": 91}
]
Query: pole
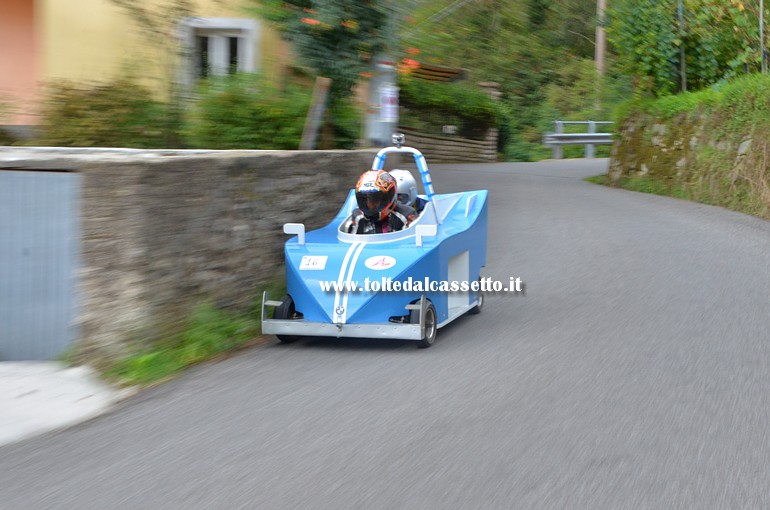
[
  {"x": 682, "y": 59},
  {"x": 589, "y": 148},
  {"x": 315, "y": 114},
  {"x": 601, "y": 38},
  {"x": 382, "y": 112},
  {"x": 762, "y": 35}
]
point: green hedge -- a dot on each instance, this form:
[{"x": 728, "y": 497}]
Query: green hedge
[
  {"x": 429, "y": 105},
  {"x": 116, "y": 114},
  {"x": 234, "y": 112},
  {"x": 245, "y": 112},
  {"x": 746, "y": 99}
]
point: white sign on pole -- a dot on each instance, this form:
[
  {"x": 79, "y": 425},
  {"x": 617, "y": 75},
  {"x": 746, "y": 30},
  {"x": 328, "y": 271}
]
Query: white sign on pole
[{"x": 389, "y": 104}]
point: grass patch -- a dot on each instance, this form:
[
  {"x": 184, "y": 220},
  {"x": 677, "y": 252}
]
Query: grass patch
[
  {"x": 643, "y": 184},
  {"x": 668, "y": 107},
  {"x": 209, "y": 332},
  {"x": 597, "y": 179}
]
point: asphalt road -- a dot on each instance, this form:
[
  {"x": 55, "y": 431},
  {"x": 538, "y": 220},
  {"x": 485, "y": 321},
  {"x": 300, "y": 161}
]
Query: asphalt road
[{"x": 633, "y": 374}]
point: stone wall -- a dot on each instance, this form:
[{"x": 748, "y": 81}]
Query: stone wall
[
  {"x": 165, "y": 230},
  {"x": 693, "y": 155},
  {"x": 455, "y": 149},
  {"x": 661, "y": 146}
]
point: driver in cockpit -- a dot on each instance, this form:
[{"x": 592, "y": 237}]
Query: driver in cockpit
[{"x": 379, "y": 210}]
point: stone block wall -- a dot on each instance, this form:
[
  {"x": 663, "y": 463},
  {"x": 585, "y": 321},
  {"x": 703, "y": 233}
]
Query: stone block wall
[
  {"x": 704, "y": 156},
  {"x": 163, "y": 231},
  {"x": 453, "y": 149}
]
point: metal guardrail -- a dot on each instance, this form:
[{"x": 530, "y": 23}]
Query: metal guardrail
[{"x": 559, "y": 138}]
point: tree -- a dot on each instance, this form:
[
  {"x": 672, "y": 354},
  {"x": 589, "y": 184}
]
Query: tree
[
  {"x": 533, "y": 48},
  {"x": 336, "y": 38},
  {"x": 721, "y": 40},
  {"x": 728, "y": 32},
  {"x": 570, "y": 25},
  {"x": 644, "y": 34}
]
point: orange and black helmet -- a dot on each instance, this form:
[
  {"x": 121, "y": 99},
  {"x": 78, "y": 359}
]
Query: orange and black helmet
[{"x": 376, "y": 194}]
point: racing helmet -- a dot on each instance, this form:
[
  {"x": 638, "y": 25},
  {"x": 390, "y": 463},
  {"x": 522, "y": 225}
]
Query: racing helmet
[
  {"x": 376, "y": 194},
  {"x": 406, "y": 186}
]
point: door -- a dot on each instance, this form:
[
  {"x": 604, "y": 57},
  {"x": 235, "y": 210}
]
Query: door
[{"x": 39, "y": 251}]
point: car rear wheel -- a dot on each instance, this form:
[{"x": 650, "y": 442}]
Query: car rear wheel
[
  {"x": 477, "y": 309},
  {"x": 431, "y": 325},
  {"x": 285, "y": 311}
]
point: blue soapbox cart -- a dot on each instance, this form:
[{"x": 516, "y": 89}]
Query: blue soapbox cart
[{"x": 446, "y": 243}]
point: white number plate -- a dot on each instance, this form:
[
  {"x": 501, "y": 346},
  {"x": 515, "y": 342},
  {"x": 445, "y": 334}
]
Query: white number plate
[{"x": 313, "y": 262}]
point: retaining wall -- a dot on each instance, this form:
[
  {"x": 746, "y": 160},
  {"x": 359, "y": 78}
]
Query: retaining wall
[
  {"x": 164, "y": 230},
  {"x": 453, "y": 149}
]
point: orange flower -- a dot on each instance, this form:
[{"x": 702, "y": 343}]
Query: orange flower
[
  {"x": 366, "y": 74},
  {"x": 412, "y": 51},
  {"x": 310, "y": 21},
  {"x": 407, "y": 65}
]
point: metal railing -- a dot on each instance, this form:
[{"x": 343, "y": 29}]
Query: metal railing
[{"x": 560, "y": 138}]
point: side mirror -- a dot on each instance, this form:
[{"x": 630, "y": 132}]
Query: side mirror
[
  {"x": 297, "y": 229},
  {"x": 424, "y": 231}
]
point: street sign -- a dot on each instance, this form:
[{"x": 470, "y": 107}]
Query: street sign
[{"x": 388, "y": 104}]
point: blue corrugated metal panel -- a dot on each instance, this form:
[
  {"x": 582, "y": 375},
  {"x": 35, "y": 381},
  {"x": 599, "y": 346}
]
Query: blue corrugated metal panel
[{"x": 39, "y": 258}]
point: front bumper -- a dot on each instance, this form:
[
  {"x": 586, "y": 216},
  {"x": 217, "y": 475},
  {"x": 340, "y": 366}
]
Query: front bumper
[{"x": 301, "y": 327}]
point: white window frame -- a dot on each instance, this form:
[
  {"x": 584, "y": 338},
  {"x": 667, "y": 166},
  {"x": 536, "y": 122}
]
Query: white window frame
[{"x": 218, "y": 30}]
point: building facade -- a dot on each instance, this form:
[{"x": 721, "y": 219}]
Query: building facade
[{"x": 97, "y": 40}]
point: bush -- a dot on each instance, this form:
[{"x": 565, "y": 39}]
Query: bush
[
  {"x": 246, "y": 112},
  {"x": 745, "y": 98},
  {"x": 345, "y": 121},
  {"x": 114, "y": 114},
  {"x": 209, "y": 332},
  {"x": 6, "y": 138},
  {"x": 718, "y": 120},
  {"x": 429, "y": 105},
  {"x": 668, "y": 107}
]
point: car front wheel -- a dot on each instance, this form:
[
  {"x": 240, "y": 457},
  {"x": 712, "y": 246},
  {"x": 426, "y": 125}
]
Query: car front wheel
[
  {"x": 477, "y": 309},
  {"x": 285, "y": 311},
  {"x": 431, "y": 325}
]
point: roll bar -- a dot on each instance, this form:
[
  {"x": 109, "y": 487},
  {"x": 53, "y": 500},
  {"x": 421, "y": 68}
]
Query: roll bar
[{"x": 419, "y": 159}]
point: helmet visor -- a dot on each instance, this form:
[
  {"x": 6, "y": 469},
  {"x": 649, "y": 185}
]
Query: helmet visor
[{"x": 372, "y": 203}]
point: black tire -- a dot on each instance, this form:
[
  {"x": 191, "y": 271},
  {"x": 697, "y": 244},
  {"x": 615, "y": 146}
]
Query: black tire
[
  {"x": 477, "y": 309},
  {"x": 431, "y": 325},
  {"x": 285, "y": 311}
]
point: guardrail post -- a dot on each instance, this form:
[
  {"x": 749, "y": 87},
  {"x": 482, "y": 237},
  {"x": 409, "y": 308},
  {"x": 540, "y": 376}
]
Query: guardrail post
[
  {"x": 557, "y": 150},
  {"x": 588, "y": 140},
  {"x": 590, "y": 146}
]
